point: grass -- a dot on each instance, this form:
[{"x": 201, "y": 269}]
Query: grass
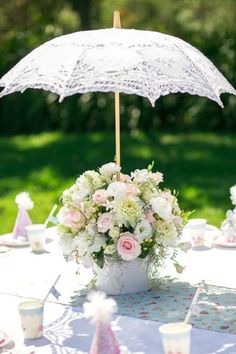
[{"x": 201, "y": 166}]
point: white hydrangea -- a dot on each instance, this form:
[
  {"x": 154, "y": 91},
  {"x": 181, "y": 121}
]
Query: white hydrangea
[
  {"x": 67, "y": 243},
  {"x": 87, "y": 244}
]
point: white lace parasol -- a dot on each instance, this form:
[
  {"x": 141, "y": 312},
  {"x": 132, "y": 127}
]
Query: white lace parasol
[{"x": 149, "y": 64}]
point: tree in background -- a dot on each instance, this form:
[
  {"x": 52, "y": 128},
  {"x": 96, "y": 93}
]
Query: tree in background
[{"x": 208, "y": 25}]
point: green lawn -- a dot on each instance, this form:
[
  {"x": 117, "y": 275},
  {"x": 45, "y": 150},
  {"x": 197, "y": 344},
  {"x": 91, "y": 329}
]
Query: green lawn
[{"x": 201, "y": 166}]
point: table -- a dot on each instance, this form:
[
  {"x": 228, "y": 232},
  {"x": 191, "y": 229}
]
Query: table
[{"x": 24, "y": 274}]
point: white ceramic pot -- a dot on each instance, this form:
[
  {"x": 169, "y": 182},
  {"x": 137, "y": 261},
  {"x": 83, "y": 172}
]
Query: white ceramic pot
[{"x": 123, "y": 277}]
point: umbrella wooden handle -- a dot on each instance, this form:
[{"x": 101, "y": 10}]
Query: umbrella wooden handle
[
  {"x": 117, "y": 24},
  {"x": 116, "y": 19}
]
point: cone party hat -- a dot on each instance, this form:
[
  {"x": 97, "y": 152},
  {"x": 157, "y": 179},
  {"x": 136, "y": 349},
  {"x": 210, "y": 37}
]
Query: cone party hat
[
  {"x": 100, "y": 309},
  {"x": 22, "y": 220}
]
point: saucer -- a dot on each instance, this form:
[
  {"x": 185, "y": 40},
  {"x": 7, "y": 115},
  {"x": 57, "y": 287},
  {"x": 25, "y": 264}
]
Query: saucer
[
  {"x": 4, "y": 339},
  {"x": 220, "y": 241},
  {"x": 9, "y": 240},
  {"x": 4, "y": 249},
  {"x": 211, "y": 234}
]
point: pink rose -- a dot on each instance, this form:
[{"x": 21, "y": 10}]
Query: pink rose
[
  {"x": 157, "y": 176},
  {"x": 132, "y": 190},
  {"x": 74, "y": 216},
  {"x": 70, "y": 217},
  {"x": 128, "y": 247},
  {"x": 99, "y": 197},
  {"x": 150, "y": 217},
  {"x": 105, "y": 222}
]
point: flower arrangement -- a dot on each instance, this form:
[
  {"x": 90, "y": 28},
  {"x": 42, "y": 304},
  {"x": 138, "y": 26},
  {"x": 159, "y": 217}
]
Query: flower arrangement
[
  {"x": 105, "y": 218},
  {"x": 228, "y": 226}
]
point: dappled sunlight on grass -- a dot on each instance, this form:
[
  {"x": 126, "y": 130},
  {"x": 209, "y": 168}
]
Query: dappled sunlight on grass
[{"x": 201, "y": 166}]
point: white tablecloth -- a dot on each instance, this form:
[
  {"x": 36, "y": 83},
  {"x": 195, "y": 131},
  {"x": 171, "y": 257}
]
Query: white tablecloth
[{"x": 24, "y": 274}]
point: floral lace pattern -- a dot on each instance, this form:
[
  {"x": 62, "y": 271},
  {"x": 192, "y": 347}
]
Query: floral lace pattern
[{"x": 149, "y": 64}]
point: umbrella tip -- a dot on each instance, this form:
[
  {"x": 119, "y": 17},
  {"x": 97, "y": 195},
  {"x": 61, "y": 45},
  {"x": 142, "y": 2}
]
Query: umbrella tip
[
  {"x": 116, "y": 19},
  {"x": 61, "y": 98}
]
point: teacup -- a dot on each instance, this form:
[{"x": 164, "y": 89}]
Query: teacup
[
  {"x": 36, "y": 235},
  {"x": 196, "y": 229}
]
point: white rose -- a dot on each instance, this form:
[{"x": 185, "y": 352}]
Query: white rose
[
  {"x": 79, "y": 195},
  {"x": 143, "y": 230},
  {"x": 84, "y": 183},
  {"x": 86, "y": 245},
  {"x": 98, "y": 242},
  {"x": 140, "y": 176},
  {"x": 162, "y": 207},
  {"x": 94, "y": 179},
  {"x": 109, "y": 169},
  {"x": 233, "y": 194},
  {"x": 91, "y": 229},
  {"x": 116, "y": 190}
]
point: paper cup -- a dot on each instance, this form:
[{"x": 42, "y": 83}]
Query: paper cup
[
  {"x": 36, "y": 235},
  {"x": 176, "y": 337},
  {"x": 31, "y": 315}
]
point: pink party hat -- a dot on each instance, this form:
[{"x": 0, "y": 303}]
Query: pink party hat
[
  {"x": 22, "y": 220},
  {"x": 100, "y": 309}
]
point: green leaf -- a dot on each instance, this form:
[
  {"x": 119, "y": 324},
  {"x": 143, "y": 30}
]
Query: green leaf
[
  {"x": 150, "y": 167},
  {"x": 99, "y": 258}
]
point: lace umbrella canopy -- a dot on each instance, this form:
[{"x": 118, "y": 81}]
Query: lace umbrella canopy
[{"x": 146, "y": 63}]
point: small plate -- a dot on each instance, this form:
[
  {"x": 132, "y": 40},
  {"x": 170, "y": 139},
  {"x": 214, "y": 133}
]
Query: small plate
[
  {"x": 4, "y": 339},
  {"x": 9, "y": 240},
  {"x": 219, "y": 241},
  {"x": 4, "y": 249}
]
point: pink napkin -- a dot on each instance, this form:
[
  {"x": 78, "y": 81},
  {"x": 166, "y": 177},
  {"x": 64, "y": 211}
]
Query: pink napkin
[{"x": 22, "y": 220}]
